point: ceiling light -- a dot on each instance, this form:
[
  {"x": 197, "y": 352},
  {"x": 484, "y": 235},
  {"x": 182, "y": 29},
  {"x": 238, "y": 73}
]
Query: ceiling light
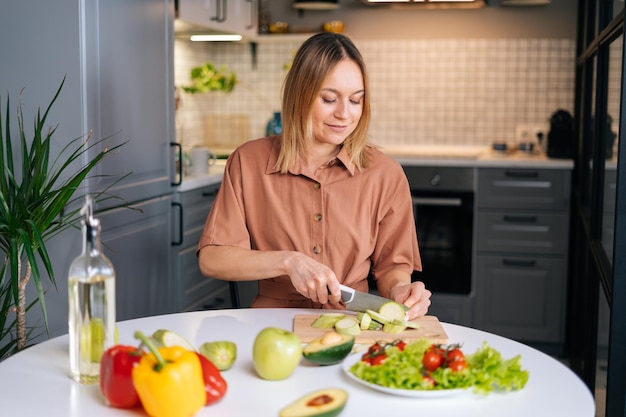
[
  {"x": 316, "y": 5},
  {"x": 430, "y": 4}
]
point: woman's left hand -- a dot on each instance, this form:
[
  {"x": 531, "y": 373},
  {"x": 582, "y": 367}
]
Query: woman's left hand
[{"x": 413, "y": 295}]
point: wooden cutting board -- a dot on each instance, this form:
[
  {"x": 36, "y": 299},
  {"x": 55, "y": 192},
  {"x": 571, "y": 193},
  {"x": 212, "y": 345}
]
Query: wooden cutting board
[{"x": 430, "y": 328}]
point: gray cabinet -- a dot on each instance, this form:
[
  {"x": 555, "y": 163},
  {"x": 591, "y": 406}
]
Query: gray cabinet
[
  {"x": 137, "y": 243},
  {"x": 230, "y": 16},
  {"x": 521, "y": 253},
  {"x": 117, "y": 60},
  {"x": 130, "y": 92},
  {"x": 192, "y": 290}
]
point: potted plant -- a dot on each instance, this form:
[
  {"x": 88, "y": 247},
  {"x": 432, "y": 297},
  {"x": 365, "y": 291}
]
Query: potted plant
[{"x": 37, "y": 193}]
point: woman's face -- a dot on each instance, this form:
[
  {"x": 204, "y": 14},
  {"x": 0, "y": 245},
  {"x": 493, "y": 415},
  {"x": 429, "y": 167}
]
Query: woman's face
[{"x": 337, "y": 109}]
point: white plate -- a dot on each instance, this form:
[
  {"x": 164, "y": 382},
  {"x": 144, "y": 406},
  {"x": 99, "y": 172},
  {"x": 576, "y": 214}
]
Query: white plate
[{"x": 352, "y": 359}]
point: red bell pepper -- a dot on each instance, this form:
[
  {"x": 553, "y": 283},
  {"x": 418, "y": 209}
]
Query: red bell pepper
[
  {"x": 116, "y": 382},
  {"x": 214, "y": 384}
]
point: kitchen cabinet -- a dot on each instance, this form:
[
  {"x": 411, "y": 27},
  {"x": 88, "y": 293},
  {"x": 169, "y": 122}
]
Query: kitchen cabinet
[
  {"x": 521, "y": 253},
  {"x": 192, "y": 290},
  {"x": 137, "y": 243},
  {"x": 117, "y": 60},
  {"x": 130, "y": 93},
  {"x": 231, "y": 16}
]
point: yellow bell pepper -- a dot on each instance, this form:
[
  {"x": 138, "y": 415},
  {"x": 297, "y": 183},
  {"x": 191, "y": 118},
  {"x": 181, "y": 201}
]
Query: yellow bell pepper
[{"x": 169, "y": 381}]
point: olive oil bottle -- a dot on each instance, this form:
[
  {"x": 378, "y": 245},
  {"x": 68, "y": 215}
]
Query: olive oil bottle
[{"x": 91, "y": 296}]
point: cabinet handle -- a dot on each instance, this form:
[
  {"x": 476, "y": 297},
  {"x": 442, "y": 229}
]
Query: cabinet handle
[
  {"x": 521, "y": 174},
  {"x": 527, "y": 263},
  {"x": 253, "y": 17},
  {"x": 220, "y": 11},
  {"x": 520, "y": 219},
  {"x": 180, "y": 224},
  {"x": 179, "y": 150}
]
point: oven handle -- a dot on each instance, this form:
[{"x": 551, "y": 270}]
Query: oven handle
[{"x": 436, "y": 201}]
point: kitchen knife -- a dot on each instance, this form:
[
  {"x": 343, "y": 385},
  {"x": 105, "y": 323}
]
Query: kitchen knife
[{"x": 361, "y": 301}]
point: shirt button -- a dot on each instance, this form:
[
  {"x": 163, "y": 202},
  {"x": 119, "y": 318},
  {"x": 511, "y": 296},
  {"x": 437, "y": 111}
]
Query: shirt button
[
  {"x": 332, "y": 162},
  {"x": 317, "y": 186},
  {"x": 317, "y": 217},
  {"x": 317, "y": 249}
]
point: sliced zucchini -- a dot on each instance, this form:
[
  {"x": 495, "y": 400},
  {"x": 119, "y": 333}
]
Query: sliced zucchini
[
  {"x": 365, "y": 321},
  {"x": 349, "y": 326},
  {"x": 374, "y": 325},
  {"x": 377, "y": 316},
  {"x": 411, "y": 324},
  {"x": 327, "y": 320},
  {"x": 393, "y": 327},
  {"x": 392, "y": 310}
]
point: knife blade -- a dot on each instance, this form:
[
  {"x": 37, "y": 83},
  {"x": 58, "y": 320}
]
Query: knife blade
[{"x": 361, "y": 301}]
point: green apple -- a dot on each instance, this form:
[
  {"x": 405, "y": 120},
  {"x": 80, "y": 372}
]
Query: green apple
[{"x": 276, "y": 353}]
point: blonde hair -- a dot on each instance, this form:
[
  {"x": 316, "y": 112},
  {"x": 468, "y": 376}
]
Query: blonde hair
[{"x": 314, "y": 60}]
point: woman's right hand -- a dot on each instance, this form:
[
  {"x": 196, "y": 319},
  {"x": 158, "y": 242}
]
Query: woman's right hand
[{"x": 313, "y": 279}]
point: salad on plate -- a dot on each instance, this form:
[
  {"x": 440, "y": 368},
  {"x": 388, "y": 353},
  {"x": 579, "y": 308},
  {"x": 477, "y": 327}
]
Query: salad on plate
[{"x": 411, "y": 368}]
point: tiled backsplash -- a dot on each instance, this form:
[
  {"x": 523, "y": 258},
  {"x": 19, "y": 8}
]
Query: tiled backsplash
[{"x": 449, "y": 91}]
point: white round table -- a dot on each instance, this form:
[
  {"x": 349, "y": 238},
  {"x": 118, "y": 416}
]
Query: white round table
[{"x": 36, "y": 382}]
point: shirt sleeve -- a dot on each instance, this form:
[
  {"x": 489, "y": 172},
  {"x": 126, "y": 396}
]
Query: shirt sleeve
[{"x": 226, "y": 222}]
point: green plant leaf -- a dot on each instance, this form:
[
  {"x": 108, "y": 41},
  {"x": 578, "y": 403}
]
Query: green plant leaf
[{"x": 34, "y": 201}]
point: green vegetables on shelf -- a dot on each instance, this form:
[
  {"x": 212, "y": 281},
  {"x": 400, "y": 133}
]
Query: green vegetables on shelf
[
  {"x": 403, "y": 368},
  {"x": 208, "y": 77}
]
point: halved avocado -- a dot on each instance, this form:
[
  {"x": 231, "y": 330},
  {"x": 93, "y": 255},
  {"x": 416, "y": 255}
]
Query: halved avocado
[
  {"x": 327, "y": 402},
  {"x": 328, "y": 349}
]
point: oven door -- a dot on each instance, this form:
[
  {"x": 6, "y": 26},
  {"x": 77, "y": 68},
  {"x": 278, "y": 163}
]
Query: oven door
[{"x": 444, "y": 232}]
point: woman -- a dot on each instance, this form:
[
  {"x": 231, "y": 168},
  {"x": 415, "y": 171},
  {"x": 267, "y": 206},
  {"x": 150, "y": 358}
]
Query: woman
[{"x": 316, "y": 206}]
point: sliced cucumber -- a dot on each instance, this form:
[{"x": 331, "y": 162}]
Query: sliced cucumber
[
  {"x": 377, "y": 316},
  {"x": 392, "y": 310},
  {"x": 327, "y": 320},
  {"x": 349, "y": 326}
]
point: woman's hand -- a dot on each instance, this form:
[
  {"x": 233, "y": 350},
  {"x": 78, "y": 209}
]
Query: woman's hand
[
  {"x": 413, "y": 295},
  {"x": 313, "y": 279}
]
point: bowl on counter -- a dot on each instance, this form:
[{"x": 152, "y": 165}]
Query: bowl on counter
[{"x": 334, "y": 26}]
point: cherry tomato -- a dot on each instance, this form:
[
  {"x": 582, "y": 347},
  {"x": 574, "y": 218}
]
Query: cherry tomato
[
  {"x": 376, "y": 347},
  {"x": 457, "y": 365},
  {"x": 401, "y": 344},
  {"x": 432, "y": 360},
  {"x": 436, "y": 349},
  {"x": 378, "y": 359},
  {"x": 455, "y": 354}
]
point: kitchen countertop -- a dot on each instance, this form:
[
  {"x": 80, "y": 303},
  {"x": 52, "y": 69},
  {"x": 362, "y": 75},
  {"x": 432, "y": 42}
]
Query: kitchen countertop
[
  {"x": 424, "y": 155},
  {"x": 213, "y": 176},
  {"x": 472, "y": 156}
]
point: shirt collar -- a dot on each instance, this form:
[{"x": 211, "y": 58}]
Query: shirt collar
[{"x": 296, "y": 169}]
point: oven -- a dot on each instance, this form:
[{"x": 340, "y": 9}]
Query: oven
[{"x": 443, "y": 206}]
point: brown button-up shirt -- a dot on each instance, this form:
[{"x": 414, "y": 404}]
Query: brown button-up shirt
[{"x": 351, "y": 220}]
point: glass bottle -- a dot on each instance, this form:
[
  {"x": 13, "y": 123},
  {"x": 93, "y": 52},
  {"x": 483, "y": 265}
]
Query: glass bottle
[
  {"x": 275, "y": 125},
  {"x": 91, "y": 296}
]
